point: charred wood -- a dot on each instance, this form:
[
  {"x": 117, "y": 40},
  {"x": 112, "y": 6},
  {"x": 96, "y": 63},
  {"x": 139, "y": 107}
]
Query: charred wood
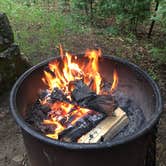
[
  {"x": 81, "y": 127},
  {"x": 58, "y": 95},
  {"x": 102, "y": 103},
  {"x": 82, "y": 92}
]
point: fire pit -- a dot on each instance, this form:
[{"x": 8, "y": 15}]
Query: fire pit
[{"x": 99, "y": 115}]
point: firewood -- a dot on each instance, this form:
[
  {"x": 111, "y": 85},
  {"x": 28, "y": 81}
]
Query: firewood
[
  {"x": 85, "y": 97},
  {"x": 103, "y": 103},
  {"x": 107, "y": 128},
  {"x": 58, "y": 95},
  {"x": 82, "y": 93},
  {"x": 81, "y": 127}
]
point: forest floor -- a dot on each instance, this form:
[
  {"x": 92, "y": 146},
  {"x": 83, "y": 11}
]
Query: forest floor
[{"x": 12, "y": 149}]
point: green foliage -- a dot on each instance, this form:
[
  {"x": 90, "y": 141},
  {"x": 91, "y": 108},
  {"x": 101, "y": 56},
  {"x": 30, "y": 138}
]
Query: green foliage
[
  {"x": 39, "y": 26},
  {"x": 161, "y": 14},
  {"x": 86, "y": 9},
  {"x": 37, "y": 30},
  {"x": 158, "y": 51},
  {"x": 104, "y": 8},
  {"x": 159, "y": 54},
  {"x": 112, "y": 30},
  {"x": 132, "y": 11},
  {"x": 151, "y": 72}
]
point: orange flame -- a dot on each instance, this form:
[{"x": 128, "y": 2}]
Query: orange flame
[
  {"x": 115, "y": 81},
  {"x": 61, "y": 51},
  {"x": 63, "y": 115},
  {"x": 92, "y": 69},
  {"x": 61, "y": 74},
  {"x": 62, "y": 77}
]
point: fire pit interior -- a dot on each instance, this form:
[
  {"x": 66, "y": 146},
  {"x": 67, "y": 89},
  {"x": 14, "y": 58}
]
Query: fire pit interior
[
  {"x": 77, "y": 99},
  {"x": 81, "y": 121}
]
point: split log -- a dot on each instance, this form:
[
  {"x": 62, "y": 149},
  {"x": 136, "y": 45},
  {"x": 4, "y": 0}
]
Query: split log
[
  {"x": 82, "y": 93},
  {"x": 81, "y": 127},
  {"x": 85, "y": 97},
  {"x": 107, "y": 128},
  {"x": 102, "y": 103}
]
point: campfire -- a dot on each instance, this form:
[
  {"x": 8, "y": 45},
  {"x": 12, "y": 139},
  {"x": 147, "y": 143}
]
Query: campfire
[
  {"x": 78, "y": 104},
  {"x": 100, "y": 105}
]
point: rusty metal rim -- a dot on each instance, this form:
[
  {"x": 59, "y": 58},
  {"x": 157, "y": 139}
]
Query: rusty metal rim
[{"x": 20, "y": 121}]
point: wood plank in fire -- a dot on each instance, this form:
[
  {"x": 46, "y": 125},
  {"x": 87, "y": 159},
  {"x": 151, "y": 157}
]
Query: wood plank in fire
[{"x": 107, "y": 128}]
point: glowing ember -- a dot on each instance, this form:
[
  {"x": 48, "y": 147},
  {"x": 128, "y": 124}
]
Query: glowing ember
[
  {"x": 61, "y": 75},
  {"x": 63, "y": 115}
]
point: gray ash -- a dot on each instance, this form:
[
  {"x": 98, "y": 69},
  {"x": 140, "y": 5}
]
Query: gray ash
[{"x": 134, "y": 113}]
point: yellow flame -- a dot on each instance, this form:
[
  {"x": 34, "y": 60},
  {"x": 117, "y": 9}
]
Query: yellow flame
[
  {"x": 61, "y": 74},
  {"x": 115, "y": 81}
]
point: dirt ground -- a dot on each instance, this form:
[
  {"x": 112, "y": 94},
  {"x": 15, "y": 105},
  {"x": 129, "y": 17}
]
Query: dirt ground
[{"x": 11, "y": 142}]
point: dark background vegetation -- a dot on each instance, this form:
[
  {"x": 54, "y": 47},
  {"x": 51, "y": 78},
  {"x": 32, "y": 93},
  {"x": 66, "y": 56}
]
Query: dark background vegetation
[
  {"x": 131, "y": 29},
  {"x": 40, "y": 25}
]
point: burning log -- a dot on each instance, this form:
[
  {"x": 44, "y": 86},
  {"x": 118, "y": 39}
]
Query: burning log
[
  {"x": 81, "y": 127},
  {"x": 82, "y": 93},
  {"x": 85, "y": 97},
  {"x": 58, "y": 95},
  {"x": 107, "y": 128},
  {"x": 103, "y": 103}
]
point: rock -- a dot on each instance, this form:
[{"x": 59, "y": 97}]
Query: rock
[
  {"x": 25, "y": 161},
  {"x": 13, "y": 57},
  {"x": 6, "y": 33},
  {"x": 17, "y": 160},
  {"x": 3, "y": 114},
  {"x": 10, "y": 52},
  {"x": 12, "y": 65}
]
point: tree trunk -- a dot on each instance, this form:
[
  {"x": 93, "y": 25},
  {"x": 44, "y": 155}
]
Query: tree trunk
[
  {"x": 153, "y": 22},
  {"x": 91, "y": 11}
]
